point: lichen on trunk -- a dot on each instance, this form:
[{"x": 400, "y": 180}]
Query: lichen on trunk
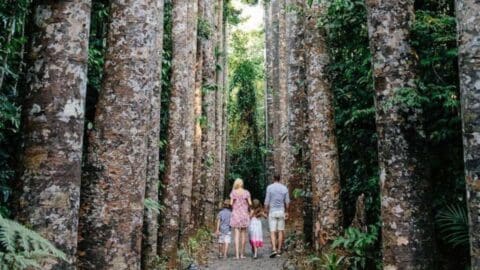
[
  {"x": 113, "y": 186},
  {"x": 53, "y": 119},
  {"x": 325, "y": 175},
  {"x": 407, "y": 231}
]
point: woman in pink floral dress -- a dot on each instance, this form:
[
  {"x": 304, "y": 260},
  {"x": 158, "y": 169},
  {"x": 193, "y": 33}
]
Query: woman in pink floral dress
[{"x": 240, "y": 219}]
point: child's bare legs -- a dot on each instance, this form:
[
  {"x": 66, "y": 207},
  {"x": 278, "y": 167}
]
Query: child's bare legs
[
  {"x": 237, "y": 242},
  {"x": 244, "y": 239},
  {"x": 220, "y": 247},
  {"x": 225, "y": 250},
  {"x": 255, "y": 249}
]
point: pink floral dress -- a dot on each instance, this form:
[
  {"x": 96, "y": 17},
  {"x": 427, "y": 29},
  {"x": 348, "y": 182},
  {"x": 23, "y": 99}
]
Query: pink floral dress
[{"x": 240, "y": 217}]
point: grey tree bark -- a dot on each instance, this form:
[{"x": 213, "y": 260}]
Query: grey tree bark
[
  {"x": 220, "y": 94},
  {"x": 224, "y": 186},
  {"x": 150, "y": 218},
  {"x": 198, "y": 177},
  {"x": 189, "y": 127},
  {"x": 53, "y": 119},
  {"x": 327, "y": 211},
  {"x": 407, "y": 230},
  {"x": 209, "y": 110},
  {"x": 298, "y": 148},
  {"x": 468, "y": 20},
  {"x": 113, "y": 186},
  {"x": 282, "y": 112},
  {"x": 269, "y": 89},
  {"x": 179, "y": 162}
]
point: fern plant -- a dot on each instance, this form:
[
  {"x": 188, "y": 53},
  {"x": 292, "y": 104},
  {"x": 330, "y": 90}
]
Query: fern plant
[
  {"x": 453, "y": 225},
  {"x": 22, "y": 248}
]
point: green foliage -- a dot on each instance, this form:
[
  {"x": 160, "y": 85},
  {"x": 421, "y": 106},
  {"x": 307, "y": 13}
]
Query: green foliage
[
  {"x": 245, "y": 110},
  {"x": 194, "y": 250},
  {"x": 153, "y": 205},
  {"x": 330, "y": 261},
  {"x": 352, "y": 84},
  {"x": 453, "y": 225},
  {"x": 21, "y": 248},
  {"x": 360, "y": 246},
  {"x": 204, "y": 29},
  {"x": 13, "y": 16}
]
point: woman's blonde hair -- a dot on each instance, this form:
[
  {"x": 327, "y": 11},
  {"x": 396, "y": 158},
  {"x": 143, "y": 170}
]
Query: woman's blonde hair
[{"x": 238, "y": 183}]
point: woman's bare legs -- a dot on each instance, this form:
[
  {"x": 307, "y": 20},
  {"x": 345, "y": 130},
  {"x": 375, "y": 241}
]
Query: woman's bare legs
[
  {"x": 237, "y": 242},
  {"x": 244, "y": 239}
]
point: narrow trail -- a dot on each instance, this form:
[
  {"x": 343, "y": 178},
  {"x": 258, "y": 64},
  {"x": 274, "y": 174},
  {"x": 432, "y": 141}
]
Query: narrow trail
[{"x": 263, "y": 261}]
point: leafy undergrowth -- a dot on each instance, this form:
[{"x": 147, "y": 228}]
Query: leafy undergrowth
[
  {"x": 193, "y": 253},
  {"x": 354, "y": 250}
]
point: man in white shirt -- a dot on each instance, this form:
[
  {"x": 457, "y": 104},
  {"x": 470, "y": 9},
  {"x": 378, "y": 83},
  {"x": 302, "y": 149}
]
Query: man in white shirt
[{"x": 276, "y": 205}]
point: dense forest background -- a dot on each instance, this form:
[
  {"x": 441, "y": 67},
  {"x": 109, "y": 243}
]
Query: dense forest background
[{"x": 434, "y": 41}]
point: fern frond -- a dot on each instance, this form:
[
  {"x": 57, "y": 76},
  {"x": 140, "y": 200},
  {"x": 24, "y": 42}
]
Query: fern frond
[
  {"x": 22, "y": 248},
  {"x": 453, "y": 225}
]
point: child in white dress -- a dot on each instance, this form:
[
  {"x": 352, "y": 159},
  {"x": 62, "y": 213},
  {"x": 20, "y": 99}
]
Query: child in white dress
[{"x": 255, "y": 229}]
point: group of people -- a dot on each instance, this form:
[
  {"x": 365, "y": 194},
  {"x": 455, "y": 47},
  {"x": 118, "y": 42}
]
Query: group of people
[{"x": 242, "y": 214}]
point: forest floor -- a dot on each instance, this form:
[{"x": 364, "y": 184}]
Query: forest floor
[{"x": 263, "y": 262}]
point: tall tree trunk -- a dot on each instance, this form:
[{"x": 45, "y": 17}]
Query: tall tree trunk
[
  {"x": 224, "y": 185},
  {"x": 198, "y": 151},
  {"x": 274, "y": 47},
  {"x": 186, "y": 208},
  {"x": 282, "y": 111},
  {"x": 179, "y": 161},
  {"x": 53, "y": 119},
  {"x": 327, "y": 211},
  {"x": 150, "y": 218},
  {"x": 219, "y": 102},
  {"x": 270, "y": 87},
  {"x": 407, "y": 231},
  {"x": 468, "y": 19},
  {"x": 113, "y": 187},
  {"x": 209, "y": 110},
  {"x": 297, "y": 115}
]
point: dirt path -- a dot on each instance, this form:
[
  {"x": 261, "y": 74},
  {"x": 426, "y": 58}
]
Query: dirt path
[{"x": 263, "y": 261}]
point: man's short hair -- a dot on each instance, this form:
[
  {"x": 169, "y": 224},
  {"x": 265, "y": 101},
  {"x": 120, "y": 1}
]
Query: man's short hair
[{"x": 276, "y": 178}]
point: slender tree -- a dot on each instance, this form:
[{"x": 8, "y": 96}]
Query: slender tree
[
  {"x": 53, "y": 119},
  {"x": 179, "y": 162},
  {"x": 219, "y": 101},
  {"x": 297, "y": 99},
  {"x": 224, "y": 186},
  {"x": 325, "y": 173},
  {"x": 198, "y": 172},
  {"x": 209, "y": 110},
  {"x": 269, "y": 89},
  {"x": 282, "y": 110},
  {"x": 189, "y": 127},
  {"x": 407, "y": 233},
  {"x": 468, "y": 19},
  {"x": 150, "y": 219},
  {"x": 113, "y": 186}
]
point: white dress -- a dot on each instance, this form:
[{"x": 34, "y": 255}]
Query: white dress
[{"x": 255, "y": 232}]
